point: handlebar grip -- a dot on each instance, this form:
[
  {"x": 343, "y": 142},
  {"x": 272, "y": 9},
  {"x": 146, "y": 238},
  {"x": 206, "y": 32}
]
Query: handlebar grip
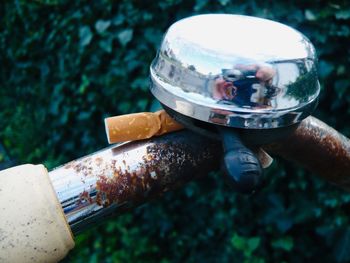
[
  {"x": 242, "y": 168},
  {"x": 33, "y": 226}
]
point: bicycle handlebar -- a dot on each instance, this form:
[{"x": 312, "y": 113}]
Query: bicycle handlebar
[
  {"x": 125, "y": 175},
  {"x": 319, "y": 148}
]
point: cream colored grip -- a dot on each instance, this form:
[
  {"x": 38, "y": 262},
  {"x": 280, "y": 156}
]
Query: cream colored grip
[{"x": 32, "y": 224}]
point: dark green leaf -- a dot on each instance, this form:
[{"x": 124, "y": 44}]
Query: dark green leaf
[
  {"x": 343, "y": 14},
  {"x": 309, "y": 15},
  {"x": 285, "y": 243},
  {"x": 106, "y": 44},
  {"x": 118, "y": 19},
  {"x": 125, "y": 36},
  {"x": 85, "y": 36},
  {"x": 102, "y": 25}
]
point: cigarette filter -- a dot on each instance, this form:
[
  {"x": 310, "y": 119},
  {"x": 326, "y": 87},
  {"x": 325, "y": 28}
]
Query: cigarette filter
[{"x": 138, "y": 126}]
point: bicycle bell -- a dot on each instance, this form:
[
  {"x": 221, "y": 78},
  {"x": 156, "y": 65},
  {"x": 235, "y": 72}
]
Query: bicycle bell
[{"x": 246, "y": 80}]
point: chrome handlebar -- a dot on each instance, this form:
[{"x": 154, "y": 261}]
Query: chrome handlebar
[{"x": 123, "y": 176}]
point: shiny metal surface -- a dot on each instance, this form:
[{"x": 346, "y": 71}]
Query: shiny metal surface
[
  {"x": 112, "y": 180},
  {"x": 319, "y": 148},
  {"x": 236, "y": 71},
  {"x": 76, "y": 183},
  {"x": 107, "y": 182}
]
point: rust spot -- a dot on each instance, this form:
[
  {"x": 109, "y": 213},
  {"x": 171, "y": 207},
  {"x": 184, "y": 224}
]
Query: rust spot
[
  {"x": 319, "y": 148},
  {"x": 69, "y": 165},
  {"x": 147, "y": 157},
  {"x": 165, "y": 165},
  {"x": 98, "y": 161},
  {"x": 85, "y": 196}
]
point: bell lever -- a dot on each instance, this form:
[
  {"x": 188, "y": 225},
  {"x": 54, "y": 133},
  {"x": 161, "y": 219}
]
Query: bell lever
[{"x": 241, "y": 167}]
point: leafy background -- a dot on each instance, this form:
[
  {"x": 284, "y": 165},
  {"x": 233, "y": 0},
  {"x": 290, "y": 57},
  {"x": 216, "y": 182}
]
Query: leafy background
[{"x": 65, "y": 65}]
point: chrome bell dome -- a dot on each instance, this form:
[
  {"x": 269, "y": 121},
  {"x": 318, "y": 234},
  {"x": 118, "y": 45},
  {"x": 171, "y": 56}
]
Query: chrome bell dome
[{"x": 236, "y": 71}]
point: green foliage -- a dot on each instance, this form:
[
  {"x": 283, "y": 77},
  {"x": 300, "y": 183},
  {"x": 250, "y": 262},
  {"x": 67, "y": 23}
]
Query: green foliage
[
  {"x": 247, "y": 245},
  {"x": 68, "y": 64},
  {"x": 283, "y": 243}
]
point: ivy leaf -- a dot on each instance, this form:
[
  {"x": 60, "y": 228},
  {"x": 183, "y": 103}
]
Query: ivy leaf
[
  {"x": 85, "y": 82},
  {"x": 106, "y": 45},
  {"x": 102, "y": 25},
  {"x": 309, "y": 15},
  {"x": 153, "y": 36},
  {"x": 253, "y": 243},
  {"x": 125, "y": 36},
  {"x": 284, "y": 243},
  {"x": 238, "y": 242},
  {"x": 343, "y": 14},
  {"x": 224, "y": 2},
  {"x": 200, "y": 4},
  {"x": 245, "y": 244},
  {"x": 85, "y": 35},
  {"x": 118, "y": 19}
]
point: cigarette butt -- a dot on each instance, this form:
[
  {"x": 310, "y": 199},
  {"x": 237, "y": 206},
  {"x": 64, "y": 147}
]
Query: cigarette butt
[
  {"x": 138, "y": 126},
  {"x": 144, "y": 125},
  {"x": 167, "y": 123}
]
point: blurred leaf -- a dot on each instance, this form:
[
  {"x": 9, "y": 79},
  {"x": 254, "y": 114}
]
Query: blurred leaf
[
  {"x": 285, "y": 243},
  {"x": 309, "y": 15},
  {"x": 125, "y": 36},
  {"x": 200, "y": 4},
  {"x": 118, "y": 19},
  {"x": 85, "y": 82},
  {"x": 342, "y": 251},
  {"x": 85, "y": 36},
  {"x": 106, "y": 45},
  {"x": 253, "y": 243},
  {"x": 246, "y": 245},
  {"x": 102, "y": 25},
  {"x": 331, "y": 202},
  {"x": 224, "y": 2},
  {"x": 343, "y": 14},
  {"x": 238, "y": 242}
]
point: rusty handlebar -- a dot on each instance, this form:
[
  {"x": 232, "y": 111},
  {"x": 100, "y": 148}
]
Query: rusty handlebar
[
  {"x": 122, "y": 176},
  {"x": 319, "y": 148}
]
